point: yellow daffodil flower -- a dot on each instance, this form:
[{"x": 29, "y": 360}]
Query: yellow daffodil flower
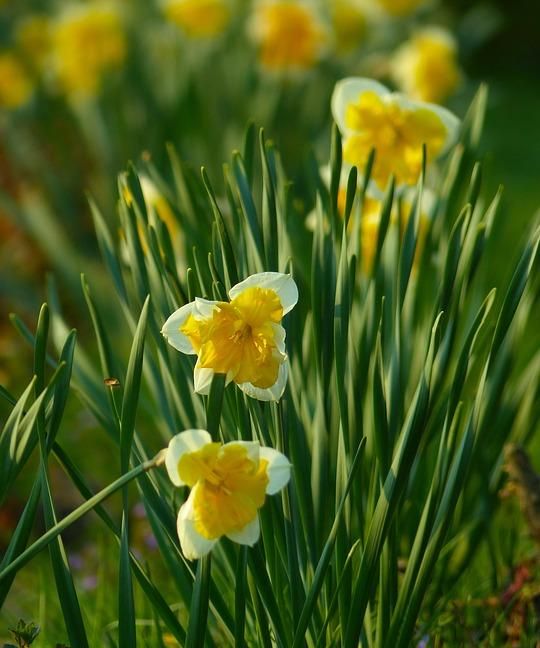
[
  {"x": 371, "y": 220},
  {"x": 158, "y": 209},
  {"x": 16, "y": 86},
  {"x": 371, "y": 215},
  {"x": 88, "y": 41},
  {"x": 198, "y": 18},
  {"x": 426, "y": 66},
  {"x": 369, "y": 116},
  {"x": 33, "y": 38},
  {"x": 242, "y": 339},
  {"x": 229, "y": 484},
  {"x": 290, "y": 35}
]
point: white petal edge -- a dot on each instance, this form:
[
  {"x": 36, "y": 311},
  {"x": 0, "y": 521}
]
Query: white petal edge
[
  {"x": 248, "y": 535},
  {"x": 252, "y": 448},
  {"x": 450, "y": 121},
  {"x": 349, "y": 90},
  {"x": 171, "y": 329},
  {"x": 283, "y": 284},
  {"x": 273, "y": 393},
  {"x": 188, "y": 441},
  {"x": 202, "y": 379},
  {"x": 193, "y": 544},
  {"x": 205, "y": 308},
  {"x": 279, "y": 337},
  {"x": 278, "y": 469}
]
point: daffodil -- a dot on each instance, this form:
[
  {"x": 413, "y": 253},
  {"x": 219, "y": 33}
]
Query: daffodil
[
  {"x": 371, "y": 220},
  {"x": 229, "y": 484},
  {"x": 290, "y": 35},
  {"x": 158, "y": 209},
  {"x": 371, "y": 215},
  {"x": 16, "y": 85},
  {"x": 242, "y": 339},
  {"x": 198, "y": 18},
  {"x": 88, "y": 41},
  {"x": 370, "y": 117},
  {"x": 426, "y": 66}
]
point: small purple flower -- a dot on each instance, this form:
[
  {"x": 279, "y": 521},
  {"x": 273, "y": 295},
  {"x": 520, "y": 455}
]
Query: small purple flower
[
  {"x": 75, "y": 561},
  {"x": 89, "y": 582}
]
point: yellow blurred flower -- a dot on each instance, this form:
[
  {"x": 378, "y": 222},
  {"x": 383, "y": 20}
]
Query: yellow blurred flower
[
  {"x": 33, "y": 38},
  {"x": 290, "y": 35},
  {"x": 370, "y": 117},
  {"x": 371, "y": 220},
  {"x": 229, "y": 483},
  {"x": 158, "y": 209},
  {"x": 242, "y": 339},
  {"x": 16, "y": 85},
  {"x": 349, "y": 24},
  {"x": 426, "y": 66},
  {"x": 88, "y": 41},
  {"x": 400, "y": 7},
  {"x": 199, "y": 18}
]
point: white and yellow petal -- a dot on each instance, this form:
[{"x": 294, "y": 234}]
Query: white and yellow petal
[
  {"x": 283, "y": 284},
  {"x": 202, "y": 379},
  {"x": 273, "y": 393},
  {"x": 278, "y": 469},
  {"x": 448, "y": 119},
  {"x": 179, "y": 445},
  {"x": 248, "y": 535},
  {"x": 171, "y": 329},
  {"x": 252, "y": 449},
  {"x": 204, "y": 308},
  {"x": 348, "y": 91},
  {"x": 193, "y": 544}
]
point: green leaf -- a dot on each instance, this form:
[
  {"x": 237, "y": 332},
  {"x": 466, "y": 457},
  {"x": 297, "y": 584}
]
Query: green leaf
[
  {"x": 80, "y": 511},
  {"x": 198, "y": 611},
  {"x": 132, "y": 388},
  {"x": 326, "y": 555}
]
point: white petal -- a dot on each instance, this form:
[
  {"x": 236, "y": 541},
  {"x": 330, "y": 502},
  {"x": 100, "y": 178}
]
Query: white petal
[
  {"x": 188, "y": 441},
  {"x": 248, "y": 535},
  {"x": 278, "y": 469},
  {"x": 252, "y": 448},
  {"x": 279, "y": 337},
  {"x": 202, "y": 379},
  {"x": 450, "y": 121},
  {"x": 193, "y": 544},
  {"x": 171, "y": 329},
  {"x": 349, "y": 90},
  {"x": 282, "y": 284},
  {"x": 273, "y": 393},
  {"x": 205, "y": 307}
]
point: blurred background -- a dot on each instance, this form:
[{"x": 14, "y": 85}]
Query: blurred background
[{"x": 87, "y": 86}]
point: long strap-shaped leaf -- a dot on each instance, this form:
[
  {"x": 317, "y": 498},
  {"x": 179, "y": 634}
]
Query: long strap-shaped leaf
[
  {"x": 75, "y": 515},
  {"x": 326, "y": 555}
]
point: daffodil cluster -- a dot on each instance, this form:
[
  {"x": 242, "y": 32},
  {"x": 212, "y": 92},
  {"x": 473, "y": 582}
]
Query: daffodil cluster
[{"x": 244, "y": 340}]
